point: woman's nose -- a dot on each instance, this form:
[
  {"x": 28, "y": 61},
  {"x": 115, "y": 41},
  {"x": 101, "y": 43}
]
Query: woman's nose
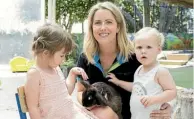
[{"x": 103, "y": 26}]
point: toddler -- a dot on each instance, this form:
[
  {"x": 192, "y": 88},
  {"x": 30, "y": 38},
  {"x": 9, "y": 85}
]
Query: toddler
[{"x": 153, "y": 85}]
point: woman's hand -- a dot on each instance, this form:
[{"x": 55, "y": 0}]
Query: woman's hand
[
  {"x": 79, "y": 71},
  {"x": 163, "y": 113}
]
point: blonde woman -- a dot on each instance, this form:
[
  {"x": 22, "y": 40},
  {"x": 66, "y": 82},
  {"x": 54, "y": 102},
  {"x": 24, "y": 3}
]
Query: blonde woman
[{"x": 107, "y": 51}]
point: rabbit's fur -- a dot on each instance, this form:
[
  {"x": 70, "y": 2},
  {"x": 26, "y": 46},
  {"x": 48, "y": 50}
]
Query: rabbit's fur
[{"x": 101, "y": 94}]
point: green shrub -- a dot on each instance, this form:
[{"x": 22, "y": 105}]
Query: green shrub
[{"x": 72, "y": 58}]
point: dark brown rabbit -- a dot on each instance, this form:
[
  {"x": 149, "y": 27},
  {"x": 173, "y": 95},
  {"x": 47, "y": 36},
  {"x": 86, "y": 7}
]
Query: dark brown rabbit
[{"x": 101, "y": 94}]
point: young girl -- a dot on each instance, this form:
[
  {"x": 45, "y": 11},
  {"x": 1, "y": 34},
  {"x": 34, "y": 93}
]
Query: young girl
[
  {"x": 153, "y": 85},
  {"x": 47, "y": 93}
]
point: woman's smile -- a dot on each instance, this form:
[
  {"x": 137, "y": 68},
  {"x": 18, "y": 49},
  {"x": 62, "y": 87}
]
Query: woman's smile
[{"x": 104, "y": 34}]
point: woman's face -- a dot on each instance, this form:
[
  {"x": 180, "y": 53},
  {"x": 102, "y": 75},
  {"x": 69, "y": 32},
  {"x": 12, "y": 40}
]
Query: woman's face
[{"x": 104, "y": 26}]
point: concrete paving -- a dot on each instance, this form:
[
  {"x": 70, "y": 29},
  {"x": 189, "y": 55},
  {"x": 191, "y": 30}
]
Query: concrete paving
[{"x": 10, "y": 82}]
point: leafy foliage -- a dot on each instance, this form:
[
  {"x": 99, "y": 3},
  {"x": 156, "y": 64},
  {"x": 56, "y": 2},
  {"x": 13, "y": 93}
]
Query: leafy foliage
[
  {"x": 69, "y": 12},
  {"x": 72, "y": 58},
  {"x": 172, "y": 22}
]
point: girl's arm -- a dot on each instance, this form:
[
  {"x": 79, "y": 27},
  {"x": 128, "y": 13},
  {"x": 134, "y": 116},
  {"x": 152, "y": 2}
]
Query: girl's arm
[
  {"x": 123, "y": 84},
  {"x": 83, "y": 63},
  {"x": 71, "y": 78},
  {"x": 70, "y": 81},
  {"x": 32, "y": 93},
  {"x": 168, "y": 85},
  {"x": 165, "y": 80},
  {"x": 80, "y": 89}
]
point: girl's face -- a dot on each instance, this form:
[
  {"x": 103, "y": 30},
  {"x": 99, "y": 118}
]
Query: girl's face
[
  {"x": 104, "y": 26},
  {"x": 147, "y": 49},
  {"x": 57, "y": 58}
]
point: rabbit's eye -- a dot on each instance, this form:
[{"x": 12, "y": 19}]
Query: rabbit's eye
[{"x": 90, "y": 98}]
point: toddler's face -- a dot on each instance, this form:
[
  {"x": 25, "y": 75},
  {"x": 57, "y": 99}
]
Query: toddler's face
[{"x": 147, "y": 48}]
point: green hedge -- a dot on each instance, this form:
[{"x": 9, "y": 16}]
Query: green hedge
[{"x": 72, "y": 58}]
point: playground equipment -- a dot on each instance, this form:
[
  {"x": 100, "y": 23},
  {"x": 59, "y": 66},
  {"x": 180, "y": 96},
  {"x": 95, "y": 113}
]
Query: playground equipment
[{"x": 20, "y": 64}]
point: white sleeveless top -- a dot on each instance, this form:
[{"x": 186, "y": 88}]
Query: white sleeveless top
[{"x": 144, "y": 84}]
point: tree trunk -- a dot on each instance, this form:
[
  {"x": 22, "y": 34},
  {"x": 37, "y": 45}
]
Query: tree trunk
[
  {"x": 70, "y": 27},
  {"x": 131, "y": 2},
  {"x": 83, "y": 27},
  {"x": 146, "y": 13},
  {"x": 170, "y": 18},
  {"x": 67, "y": 24},
  {"x": 139, "y": 15},
  {"x": 129, "y": 18},
  {"x": 163, "y": 18}
]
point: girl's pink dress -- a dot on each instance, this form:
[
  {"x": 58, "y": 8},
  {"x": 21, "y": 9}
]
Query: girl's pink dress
[{"x": 55, "y": 101}]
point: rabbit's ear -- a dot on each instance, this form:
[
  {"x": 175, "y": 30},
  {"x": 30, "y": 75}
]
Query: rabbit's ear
[
  {"x": 106, "y": 96},
  {"x": 85, "y": 83},
  {"x": 101, "y": 100}
]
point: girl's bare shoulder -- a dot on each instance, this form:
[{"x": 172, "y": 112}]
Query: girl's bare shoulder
[
  {"x": 33, "y": 75},
  {"x": 163, "y": 71}
]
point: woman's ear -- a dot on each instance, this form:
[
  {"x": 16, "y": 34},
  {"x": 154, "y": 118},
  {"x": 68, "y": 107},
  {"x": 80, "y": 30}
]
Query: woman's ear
[{"x": 118, "y": 28}]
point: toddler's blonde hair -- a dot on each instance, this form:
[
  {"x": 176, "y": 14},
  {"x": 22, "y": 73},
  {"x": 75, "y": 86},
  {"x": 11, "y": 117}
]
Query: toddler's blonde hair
[{"x": 159, "y": 36}]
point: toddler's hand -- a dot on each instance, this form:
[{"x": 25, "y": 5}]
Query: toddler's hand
[
  {"x": 147, "y": 100},
  {"x": 79, "y": 71},
  {"x": 113, "y": 78}
]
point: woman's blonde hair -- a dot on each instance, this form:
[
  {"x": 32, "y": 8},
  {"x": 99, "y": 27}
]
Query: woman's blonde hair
[
  {"x": 91, "y": 46},
  {"x": 159, "y": 36},
  {"x": 52, "y": 38}
]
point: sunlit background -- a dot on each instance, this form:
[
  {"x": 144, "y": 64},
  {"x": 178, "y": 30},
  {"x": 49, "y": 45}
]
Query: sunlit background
[{"x": 19, "y": 15}]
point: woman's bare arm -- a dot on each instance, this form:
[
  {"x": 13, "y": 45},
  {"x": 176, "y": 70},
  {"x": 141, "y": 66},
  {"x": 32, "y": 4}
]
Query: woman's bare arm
[{"x": 104, "y": 113}]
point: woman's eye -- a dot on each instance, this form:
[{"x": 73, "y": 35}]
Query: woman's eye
[
  {"x": 97, "y": 23},
  {"x": 109, "y": 22}
]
